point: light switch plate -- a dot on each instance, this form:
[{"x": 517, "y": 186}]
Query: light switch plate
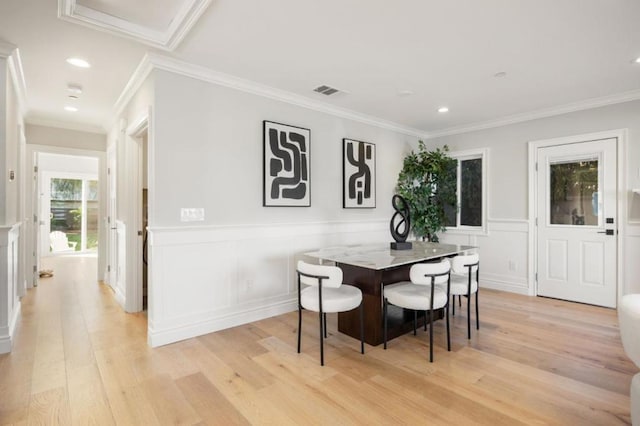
[{"x": 191, "y": 214}]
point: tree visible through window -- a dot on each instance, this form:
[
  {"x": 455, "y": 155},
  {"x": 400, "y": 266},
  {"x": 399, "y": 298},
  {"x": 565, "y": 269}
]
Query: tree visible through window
[{"x": 470, "y": 182}]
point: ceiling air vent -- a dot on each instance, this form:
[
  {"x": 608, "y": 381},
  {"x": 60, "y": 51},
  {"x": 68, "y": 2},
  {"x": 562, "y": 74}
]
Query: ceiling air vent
[{"x": 326, "y": 90}]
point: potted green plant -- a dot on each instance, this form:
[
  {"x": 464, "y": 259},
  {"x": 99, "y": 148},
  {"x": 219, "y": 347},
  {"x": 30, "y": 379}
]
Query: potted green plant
[{"x": 428, "y": 182}]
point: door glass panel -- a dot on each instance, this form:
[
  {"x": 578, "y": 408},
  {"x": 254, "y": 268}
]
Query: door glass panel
[
  {"x": 66, "y": 210},
  {"x": 92, "y": 215},
  {"x": 573, "y": 193}
]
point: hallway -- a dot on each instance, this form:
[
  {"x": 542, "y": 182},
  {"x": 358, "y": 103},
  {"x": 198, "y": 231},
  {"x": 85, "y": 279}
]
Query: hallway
[{"x": 66, "y": 324}]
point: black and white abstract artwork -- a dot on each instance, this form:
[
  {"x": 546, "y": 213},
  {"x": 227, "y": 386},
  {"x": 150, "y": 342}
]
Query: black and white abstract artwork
[
  {"x": 358, "y": 174},
  {"x": 286, "y": 166}
]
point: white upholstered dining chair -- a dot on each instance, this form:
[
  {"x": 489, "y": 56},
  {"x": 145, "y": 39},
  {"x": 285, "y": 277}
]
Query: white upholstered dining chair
[
  {"x": 465, "y": 270},
  {"x": 326, "y": 294},
  {"x": 421, "y": 294},
  {"x": 629, "y": 317}
]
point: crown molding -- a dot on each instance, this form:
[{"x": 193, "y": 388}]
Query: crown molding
[
  {"x": 618, "y": 98},
  {"x": 136, "y": 80},
  {"x": 17, "y": 76},
  {"x": 153, "y": 61},
  {"x": 11, "y": 53},
  {"x": 168, "y": 39}
]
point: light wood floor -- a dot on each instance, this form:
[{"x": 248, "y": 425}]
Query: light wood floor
[{"x": 78, "y": 359}]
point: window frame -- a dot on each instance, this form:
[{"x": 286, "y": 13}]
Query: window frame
[{"x": 471, "y": 154}]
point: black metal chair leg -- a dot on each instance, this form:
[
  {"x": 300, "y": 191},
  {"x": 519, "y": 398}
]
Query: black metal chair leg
[
  {"x": 477, "y": 315},
  {"x": 384, "y": 314},
  {"x": 448, "y": 334},
  {"x": 362, "y": 327},
  {"x": 325, "y": 325},
  {"x": 415, "y": 322},
  {"x": 321, "y": 340},
  {"x": 468, "y": 318},
  {"x": 460, "y": 300},
  {"x": 453, "y": 305},
  {"x": 425, "y": 320},
  {"x": 299, "y": 325},
  {"x": 431, "y": 336}
]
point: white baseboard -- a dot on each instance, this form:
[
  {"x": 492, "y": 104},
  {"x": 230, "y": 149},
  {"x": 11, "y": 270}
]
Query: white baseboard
[
  {"x": 6, "y": 338},
  {"x": 502, "y": 285},
  {"x": 119, "y": 297},
  {"x": 157, "y": 337},
  {"x": 5, "y": 344}
]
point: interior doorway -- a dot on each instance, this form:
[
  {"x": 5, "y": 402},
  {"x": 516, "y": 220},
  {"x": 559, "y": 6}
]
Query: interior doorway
[
  {"x": 66, "y": 203},
  {"x": 577, "y": 221},
  {"x": 134, "y": 255}
]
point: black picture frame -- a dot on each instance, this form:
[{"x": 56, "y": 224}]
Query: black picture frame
[
  {"x": 286, "y": 177},
  {"x": 358, "y": 174}
]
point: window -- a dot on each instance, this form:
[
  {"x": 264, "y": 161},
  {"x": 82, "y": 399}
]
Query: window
[{"x": 470, "y": 176}]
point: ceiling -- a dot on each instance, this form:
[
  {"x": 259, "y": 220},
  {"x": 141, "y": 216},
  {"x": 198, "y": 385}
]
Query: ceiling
[{"x": 396, "y": 61}]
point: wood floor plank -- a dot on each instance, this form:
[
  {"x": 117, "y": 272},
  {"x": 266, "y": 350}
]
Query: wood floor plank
[
  {"x": 87, "y": 397},
  {"x": 80, "y": 359},
  {"x": 168, "y": 402},
  {"x": 207, "y": 401},
  {"x": 50, "y": 407}
]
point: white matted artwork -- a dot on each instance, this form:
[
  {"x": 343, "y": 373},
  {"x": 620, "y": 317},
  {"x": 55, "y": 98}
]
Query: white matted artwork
[
  {"x": 358, "y": 174},
  {"x": 286, "y": 174}
]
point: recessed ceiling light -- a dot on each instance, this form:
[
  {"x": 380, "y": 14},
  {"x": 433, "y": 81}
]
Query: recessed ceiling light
[
  {"x": 500, "y": 74},
  {"x": 404, "y": 93},
  {"x": 78, "y": 62},
  {"x": 443, "y": 109},
  {"x": 636, "y": 60},
  {"x": 75, "y": 89},
  {"x": 70, "y": 109}
]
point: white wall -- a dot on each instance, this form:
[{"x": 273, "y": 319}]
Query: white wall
[
  {"x": 508, "y": 188},
  {"x": 238, "y": 264},
  {"x": 54, "y": 136},
  {"x": 68, "y": 164}
]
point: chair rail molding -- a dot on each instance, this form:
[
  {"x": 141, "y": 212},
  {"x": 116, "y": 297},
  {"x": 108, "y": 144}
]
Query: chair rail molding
[{"x": 207, "y": 278}]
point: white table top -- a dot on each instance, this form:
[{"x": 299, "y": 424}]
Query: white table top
[{"x": 380, "y": 256}]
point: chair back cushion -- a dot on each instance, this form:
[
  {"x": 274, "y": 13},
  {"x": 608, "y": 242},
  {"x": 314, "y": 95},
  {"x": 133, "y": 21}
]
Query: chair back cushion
[
  {"x": 333, "y": 273},
  {"x": 419, "y": 270},
  {"x": 458, "y": 263}
]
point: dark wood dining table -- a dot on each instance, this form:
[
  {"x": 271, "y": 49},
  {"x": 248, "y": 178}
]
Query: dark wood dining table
[{"x": 371, "y": 266}]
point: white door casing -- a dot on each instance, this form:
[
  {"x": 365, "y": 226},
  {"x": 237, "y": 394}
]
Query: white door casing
[
  {"x": 111, "y": 222},
  {"x": 576, "y": 258},
  {"x": 35, "y": 224}
]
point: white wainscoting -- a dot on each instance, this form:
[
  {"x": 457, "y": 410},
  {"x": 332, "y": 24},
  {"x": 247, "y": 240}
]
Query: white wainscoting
[
  {"x": 503, "y": 254},
  {"x": 203, "y": 279},
  {"x": 9, "y": 299},
  {"x": 632, "y": 259}
]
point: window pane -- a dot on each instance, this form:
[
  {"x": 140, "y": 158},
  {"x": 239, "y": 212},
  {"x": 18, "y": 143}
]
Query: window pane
[
  {"x": 450, "y": 210},
  {"x": 471, "y": 192},
  {"x": 573, "y": 193}
]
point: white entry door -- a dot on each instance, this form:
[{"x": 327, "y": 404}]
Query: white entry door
[{"x": 577, "y": 222}]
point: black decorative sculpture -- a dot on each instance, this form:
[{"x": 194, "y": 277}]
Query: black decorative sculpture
[{"x": 401, "y": 207}]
